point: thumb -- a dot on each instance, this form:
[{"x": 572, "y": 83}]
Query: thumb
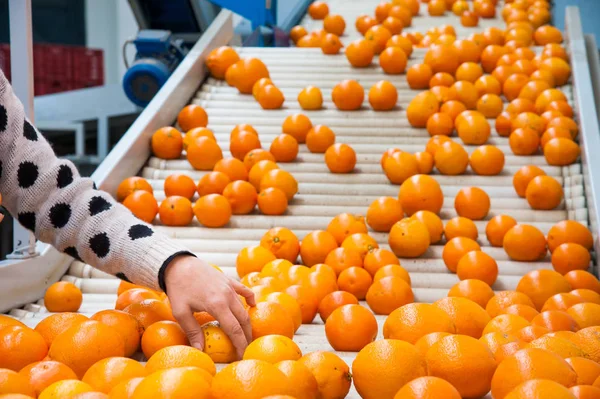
[
  {"x": 192, "y": 329},
  {"x": 244, "y": 291}
]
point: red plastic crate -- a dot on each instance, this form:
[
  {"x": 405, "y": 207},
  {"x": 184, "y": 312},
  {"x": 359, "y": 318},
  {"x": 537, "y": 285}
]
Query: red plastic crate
[
  {"x": 88, "y": 67},
  {"x": 5, "y": 60},
  {"x": 52, "y": 63}
]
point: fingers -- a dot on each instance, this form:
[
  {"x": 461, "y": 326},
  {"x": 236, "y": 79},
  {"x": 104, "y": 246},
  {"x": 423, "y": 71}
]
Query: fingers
[
  {"x": 191, "y": 327},
  {"x": 244, "y": 291},
  {"x": 240, "y": 313},
  {"x": 233, "y": 329}
]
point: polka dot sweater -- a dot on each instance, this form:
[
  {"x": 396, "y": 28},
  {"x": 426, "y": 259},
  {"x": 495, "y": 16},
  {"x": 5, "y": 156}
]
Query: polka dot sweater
[{"x": 48, "y": 197}]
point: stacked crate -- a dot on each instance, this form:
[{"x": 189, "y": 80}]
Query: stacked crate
[{"x": 59, "y": 68}]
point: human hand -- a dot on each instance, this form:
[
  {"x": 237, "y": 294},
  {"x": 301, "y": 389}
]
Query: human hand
[{"x": 195, "y": 286}]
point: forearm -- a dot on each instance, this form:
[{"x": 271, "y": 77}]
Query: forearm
[{"x": 48, "y": 197}]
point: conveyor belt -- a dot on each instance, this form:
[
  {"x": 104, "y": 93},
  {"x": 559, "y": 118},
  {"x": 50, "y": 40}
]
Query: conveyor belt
[{"x": 323, "y": 195}]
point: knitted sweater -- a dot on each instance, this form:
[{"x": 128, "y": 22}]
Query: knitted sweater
[{"x": 48, "y": 197}]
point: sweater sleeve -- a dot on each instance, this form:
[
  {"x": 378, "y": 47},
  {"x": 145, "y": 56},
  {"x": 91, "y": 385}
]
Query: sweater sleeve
[{"x": 48, "y": 197}]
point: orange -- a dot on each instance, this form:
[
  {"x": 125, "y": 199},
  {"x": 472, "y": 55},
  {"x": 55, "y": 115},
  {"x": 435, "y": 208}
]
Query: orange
[
  {"x": 255, "y": 156},
  {"x": 312, "y": 39},
  {"x": 554, "y": 50},
  {"x": 531, "y": 363},
  {"x": 378, "y": 36},
  {"x": 335, "y": 24},
  {"x": 383, "y": 213},
  {"x": 497, "y": 228},
  {"x": 555, "y": 320},
  {"x": 490, "y": 56},
  {"x": 472, "y": 203},
  {"x": 333, "y": 301},
  {"x": 269, "y": 318},
  {"x": 107, "y": 373},
  {"x": 442, "y": 59},
  {"x": 464, "y": 362},
  {"x": 465, "y": 92},
  {"x": 53, "y": 325},
  {"x": 217, "y": 345},
  {"x": 524, "y": 176},
  {"x": 504, "y": 299},
  {"x": 244, "y": 73},
  {"x": 475, "y": 290},
  {"x": 350, "y": 328},
  {"x": 558, "y": 67},
  {"x": 544, "y": 192},
  {"x": 306, "y": 298},
  {"x": 424, "y": 162},
  {"x": 434, "y": 143},
  {"x": 580, "y": 279},
  {"x": 561, "y": 106},
  {"x": 340, "y": 259},
  {"x": 490, "y": 105},
  {"x": 253, "y": 259},
  {"x": 360, "y": 53},
  {"x": 540, "y": 285},
  {"x": 346, "y": 224},
  {"x": 340, "y": 158},
  {"x": 455, "y": 249},
  {"x": 503, "y": 124},
  {"x": 428, "y": 387},
  {"x": 392, "y": 270},
  {"x": 588, "y": 339},
  {"x": 242, "y": 143},
  {"x": 398, "y": 40},
  {"x": 150, "y": 311},
  {"x": 281, "y": 179},
  {"x": 400, "y": 166},
  {"x": 213, "y": 210},
  {"x": 125, "y": 389},
  {"x": 332, "y": 374},
  {"x": 364, "y": 22},
  {"x": 318, "y": 10},
  {"x": 585, "y": 314},
  {"x": 192, "y": 116},
  {"x": 440, "y": 123},
  {"x": 547, "y": 34},
  {"x": 469, "y": 18},
  {"x": 377, "y": 374},
  {"x": 143, "y": 205},
  {"x": 65, "y": 388},
  {"x": 167, "y": 143},
  {"x": 563, "y": 347},
  {"x": 528, "y": 120},
  {"x": 433, "y": 223},
  {"x": 212, "y": 183},
  {"x": 319, "y": 138},
  {"x": 515, "y": 239},
  {"x": 509, "y": 349},
  {"x": 540, "y": 388},
  {"x": 436, "y": 8},
  {"x": 361, "y": 242},
  {"x": 418, "y": 76},
  {"x": 587, "y": 370},
  {"x": 181, "y": 185},
  {"x": 409, "y": 238},
  {"x": 6, "y": 321},
  {"x": 232, "y": 167},
  {"x": 506, "y": 324},
  {"x": 469, "y": 71},
  {"x": 20, "y": 346},
  {"x": 569, "y": 231},
  {"x": 585, "y": 391},
  {"x": 256, "y": 174},
  {"x": 297, "y": 32},
  {"x": 477, "y": 265},
  {"x": 389, "y": 293},
  {"x": 495, "y": 340},
  {"x": 393, "y": 60},
  {"x": 348, "y": 95},
  {"x": 125, "y": 324},
  {"x": 322, "y": 283},
  {"x": 378, "y": 258},
  {"x": 383, "y": 95},
  {"x": 82, "y": 345},
  {"x": 315, "y": 247},
  {"x": 532, "y": 89},
  {"x": 242, "y": 197},
  {"x": 272, "y": 201},
  {"x": 272, "y": 349},
  {"x": 460, "y": 227},
  {"x": 180, "y": 356},
  {"x": 488, "y": 84},
  {"x": 40, "y": 375},
  {"x": 270, "y": 97},
  {"x": 180, "y": 382},
  {"x": 487, "y": 160},
  {"x": 586, "y": 295},
  {"x": 570, "y": 256},
  {"x": 284, "y": 148},
  {"x": 282, "y": 242},
  {"x": 15, "y": 385},
  {"x": 552, "y": 133},
  {"x": 304, "y": 384},
  {"x": 420, "y": 192},
  {"x": 421, "y": 108},
  {"x": 176, "y": 211},
  {"x": 258, "y": 87},
  {"x": 356, "y": 281},
  {"x": 203, "y": 153},
  {"x": 561, "y": 152},
  {"x": 412, "y": 321},
  {"x": 219, "y": 59},
  {"x": 451, "y": 158},
  {"x": 525, "y": 311},
  {"x": 453, "y": 108},
  {"x": 63, "y": 297},
  {"x": 160, "y": 335}
]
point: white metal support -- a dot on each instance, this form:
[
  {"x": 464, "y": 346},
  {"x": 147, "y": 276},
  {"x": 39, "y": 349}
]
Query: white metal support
[{"x": 21, "y": 51}]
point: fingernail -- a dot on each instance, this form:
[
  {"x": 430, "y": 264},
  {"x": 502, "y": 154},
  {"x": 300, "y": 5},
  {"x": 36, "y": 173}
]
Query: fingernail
[{"x": 197, "y": 345}]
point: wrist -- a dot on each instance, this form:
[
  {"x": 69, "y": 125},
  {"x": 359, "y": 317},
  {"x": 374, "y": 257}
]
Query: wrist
[{"x": 171, "y": 264}]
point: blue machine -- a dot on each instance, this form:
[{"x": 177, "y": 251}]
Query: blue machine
[{"x": 158, "y": 54}]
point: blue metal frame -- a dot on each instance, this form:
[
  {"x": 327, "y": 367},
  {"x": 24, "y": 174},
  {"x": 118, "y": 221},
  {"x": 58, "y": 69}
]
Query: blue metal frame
[{"x": 255, "y": 11}]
